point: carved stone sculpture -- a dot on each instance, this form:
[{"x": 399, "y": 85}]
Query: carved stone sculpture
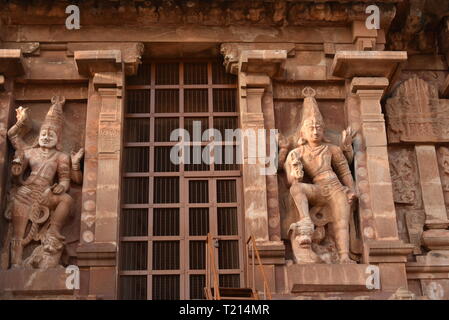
[
  {"x": 39, "y": 201},
  {"x": 331, "y": 191},
  {"x": 403, "y": 178}
]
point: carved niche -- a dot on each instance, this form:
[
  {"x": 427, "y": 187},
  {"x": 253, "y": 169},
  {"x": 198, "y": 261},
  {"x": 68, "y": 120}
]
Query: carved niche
[{"x": 415, "y": 114}]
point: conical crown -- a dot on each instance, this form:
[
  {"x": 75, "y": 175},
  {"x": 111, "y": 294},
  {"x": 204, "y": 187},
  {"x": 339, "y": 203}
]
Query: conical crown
[
  {"x": 310, "y": 111},
  {"x": 54, "y": 119}
]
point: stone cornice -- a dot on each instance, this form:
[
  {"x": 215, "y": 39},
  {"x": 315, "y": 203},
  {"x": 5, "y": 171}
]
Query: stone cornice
[{"x": 209, "y": 13}]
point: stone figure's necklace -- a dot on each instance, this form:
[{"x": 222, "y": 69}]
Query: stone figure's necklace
[
  {"x": 313, "y": 152},
  {"x": 46, "y": 155}
]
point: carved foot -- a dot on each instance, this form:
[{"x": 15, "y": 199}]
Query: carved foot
[
  {"x": 306, "y": 256},
  {"x": 344, "y": 259}
]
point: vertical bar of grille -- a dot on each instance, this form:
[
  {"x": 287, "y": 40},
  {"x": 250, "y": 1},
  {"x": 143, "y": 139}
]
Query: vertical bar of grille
[
  {"x": 227, "y": 221},
  {"x": 224, "y": 100},
  {"x": 166, "y": 190},
  {"x": 194, "y": 155},
  {"x": 198, "y": 191},
  {"x": 198, "y": 221},
  {"x": 136, "y": 159},
  {"x": 162, "y": 161},
  {"x": 197, "y": 284},
  {"x": 223, "y": 123},
  {"x": 163, "y": 127},
  {"x": 143, "y": 76},
  {"x": 167, "y": 73},
  {"x": 197, "y": 251},
  {"x": 138, "y": 101},
  {"x": 134, "y": 222},
  {"x": 166, "y": 287},
  {"x": 135, "y": 190},
  {"x": 201, "y": 124},
  {"x": 226, "y": 157},
  {"x": 228, "y": 254},
  {"x": 165, "y": 255},
  {"x": 133, "y": 256},
  {"x": 133, "y": 288},
  {"x": 226, "y": 191},
  {"x": 137, "y": 130},
  {"x": 167, "y": 100},
  {"x": 166, "y": 221},
  {"x": 195, "y": 73},
  {"x": 195, "y": 100}
]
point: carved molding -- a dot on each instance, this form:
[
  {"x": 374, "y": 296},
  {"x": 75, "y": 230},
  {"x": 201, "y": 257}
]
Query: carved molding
[{"x": 207, "y": 13}]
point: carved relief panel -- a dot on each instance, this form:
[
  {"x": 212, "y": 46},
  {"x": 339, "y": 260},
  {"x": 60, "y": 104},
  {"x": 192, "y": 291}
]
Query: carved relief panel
[
  {"x": 443, "y": 164},
  {"x": 407, "y": 194},
  {"x": 45, "y": 185},
  {"x": 416, "y": 114}
]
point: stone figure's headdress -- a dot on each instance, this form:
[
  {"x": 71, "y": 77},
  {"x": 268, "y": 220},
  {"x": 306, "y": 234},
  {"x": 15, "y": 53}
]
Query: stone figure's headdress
[
  {"x": 54, "y": 119},
  {"x": 310, "y": 111}
]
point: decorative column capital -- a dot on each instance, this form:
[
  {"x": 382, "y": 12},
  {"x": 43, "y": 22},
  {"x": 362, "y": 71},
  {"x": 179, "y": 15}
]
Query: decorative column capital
[
  {"x": 239, "y": 58},
  {"x": 364, "y": 85},
  {"x": 90, "y": 62}
]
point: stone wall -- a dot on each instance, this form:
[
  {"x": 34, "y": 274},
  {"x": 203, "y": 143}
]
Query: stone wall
[{"x": 276, "y": 48}]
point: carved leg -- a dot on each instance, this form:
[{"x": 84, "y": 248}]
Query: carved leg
[
  {"x": 301, "y": 232},
  {"x": 301, "y": 194},
  {"x": 341, "y": 211},
  {"x": 19, "y": 226},
  {"x": 58, "y": 217}
]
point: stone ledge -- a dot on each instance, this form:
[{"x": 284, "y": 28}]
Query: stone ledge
[
  {"x": 34, "y": 282},
  {"x": 325, "y": 277},
  {"x": 271, "y": 252},
  {"x": 369, "y": 83},
  {"x": 90, "y": 62},
  {"x": 11, "y": 63},
  {"x": 349, "y": 64},
  {"x": 379, "y": 251},
  {"x": 97, "y": 254},
  {"x": 262, "y": 61}
]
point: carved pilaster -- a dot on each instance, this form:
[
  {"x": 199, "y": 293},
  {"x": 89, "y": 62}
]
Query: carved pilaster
[
  {"x": 101, "y": 190},
  {"x": 11, "y": 65}
]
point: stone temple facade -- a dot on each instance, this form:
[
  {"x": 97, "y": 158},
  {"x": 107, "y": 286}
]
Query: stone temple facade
[{"x": 353, "y": 204}]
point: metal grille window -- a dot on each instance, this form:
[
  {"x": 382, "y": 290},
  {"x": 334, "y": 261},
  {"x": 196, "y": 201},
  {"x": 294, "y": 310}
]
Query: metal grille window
[{"x": 168, "y": 208}]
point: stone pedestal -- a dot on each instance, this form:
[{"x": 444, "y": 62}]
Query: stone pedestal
[
  {"x": 328, "y": 278},
  {"x": 33, "y": 283}
]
